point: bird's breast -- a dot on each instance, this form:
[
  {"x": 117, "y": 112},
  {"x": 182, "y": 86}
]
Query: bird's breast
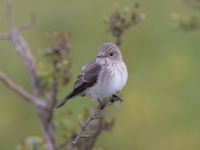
[
  {"x": 111, "y": 80},
  {"x": 117, "y": 78}
]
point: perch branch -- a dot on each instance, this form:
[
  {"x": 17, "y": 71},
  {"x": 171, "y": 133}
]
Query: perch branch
[
  {"x": 94, "y": 116},
  {"x": 97, "y": 114},
  {"x": 20, "y": 90},
  {"x": 100, "y": 127}
]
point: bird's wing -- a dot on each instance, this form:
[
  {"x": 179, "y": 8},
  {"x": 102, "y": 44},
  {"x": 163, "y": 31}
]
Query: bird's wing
[{"x": 87, "y": 78}]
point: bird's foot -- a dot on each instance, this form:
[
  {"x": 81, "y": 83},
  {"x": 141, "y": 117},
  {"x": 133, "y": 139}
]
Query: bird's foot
[
  {"x": 115, "y": 98},
  {"x": 101, "y": 104}
]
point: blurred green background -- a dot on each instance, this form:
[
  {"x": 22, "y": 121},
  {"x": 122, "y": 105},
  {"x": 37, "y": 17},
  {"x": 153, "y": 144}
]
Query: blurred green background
[{"x": 162, "y": 97}]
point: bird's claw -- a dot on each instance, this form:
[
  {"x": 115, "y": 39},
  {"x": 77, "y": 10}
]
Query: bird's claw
[
  {"x": 116, "y": 98},
  {"x": 101, "y": 105}
]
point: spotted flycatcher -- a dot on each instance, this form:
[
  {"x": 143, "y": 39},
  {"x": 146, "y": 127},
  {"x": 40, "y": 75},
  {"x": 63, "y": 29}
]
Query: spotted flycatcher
[{"x": 103, "y": 77}]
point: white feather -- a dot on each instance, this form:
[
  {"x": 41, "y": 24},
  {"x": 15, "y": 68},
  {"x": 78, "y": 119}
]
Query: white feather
[{"x": 109, "y": 83}]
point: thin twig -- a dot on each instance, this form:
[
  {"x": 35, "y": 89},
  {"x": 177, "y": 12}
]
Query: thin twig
[
  {"x": 9, "y": 13},
  {"x": 54, "y": 92},
  {"x": 118, "y": 39},
  {"x": 4, "y": 36},
  {"x": 29, "y": 24},
  {"x": 20, "y": 90}
]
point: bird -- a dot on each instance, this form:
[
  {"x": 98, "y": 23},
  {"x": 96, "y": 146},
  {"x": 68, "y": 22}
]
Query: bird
[{"x": 105, "y": 76}]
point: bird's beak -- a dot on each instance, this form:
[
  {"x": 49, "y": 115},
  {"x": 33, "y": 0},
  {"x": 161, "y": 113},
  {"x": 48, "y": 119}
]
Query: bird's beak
[{"x": 101, "y": 56}]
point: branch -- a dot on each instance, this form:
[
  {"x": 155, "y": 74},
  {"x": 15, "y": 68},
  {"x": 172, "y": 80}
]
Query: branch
[
  {"x": 22, "y": 47},
  {"x": 122, "y": 19},
  {"x": 21, "y": 91},
  {"x": 24, "y": 52},
  {"x": 45, "y": 114},
  {"x": 47, "y": 127}
]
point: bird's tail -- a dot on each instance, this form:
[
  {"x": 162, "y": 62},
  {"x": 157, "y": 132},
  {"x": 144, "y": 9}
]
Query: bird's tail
[
  {"x": 65, "y": 100},
  {"x": 62, "y": 102}
]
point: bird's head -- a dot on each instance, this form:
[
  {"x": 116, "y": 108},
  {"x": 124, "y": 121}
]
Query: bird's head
[{"x": 109, "y": 51}]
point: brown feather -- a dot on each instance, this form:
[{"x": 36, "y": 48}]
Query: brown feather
[{"x": 87, "y": 78}]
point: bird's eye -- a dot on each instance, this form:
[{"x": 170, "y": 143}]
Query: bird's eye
[{"x": 111, "y": 54}]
